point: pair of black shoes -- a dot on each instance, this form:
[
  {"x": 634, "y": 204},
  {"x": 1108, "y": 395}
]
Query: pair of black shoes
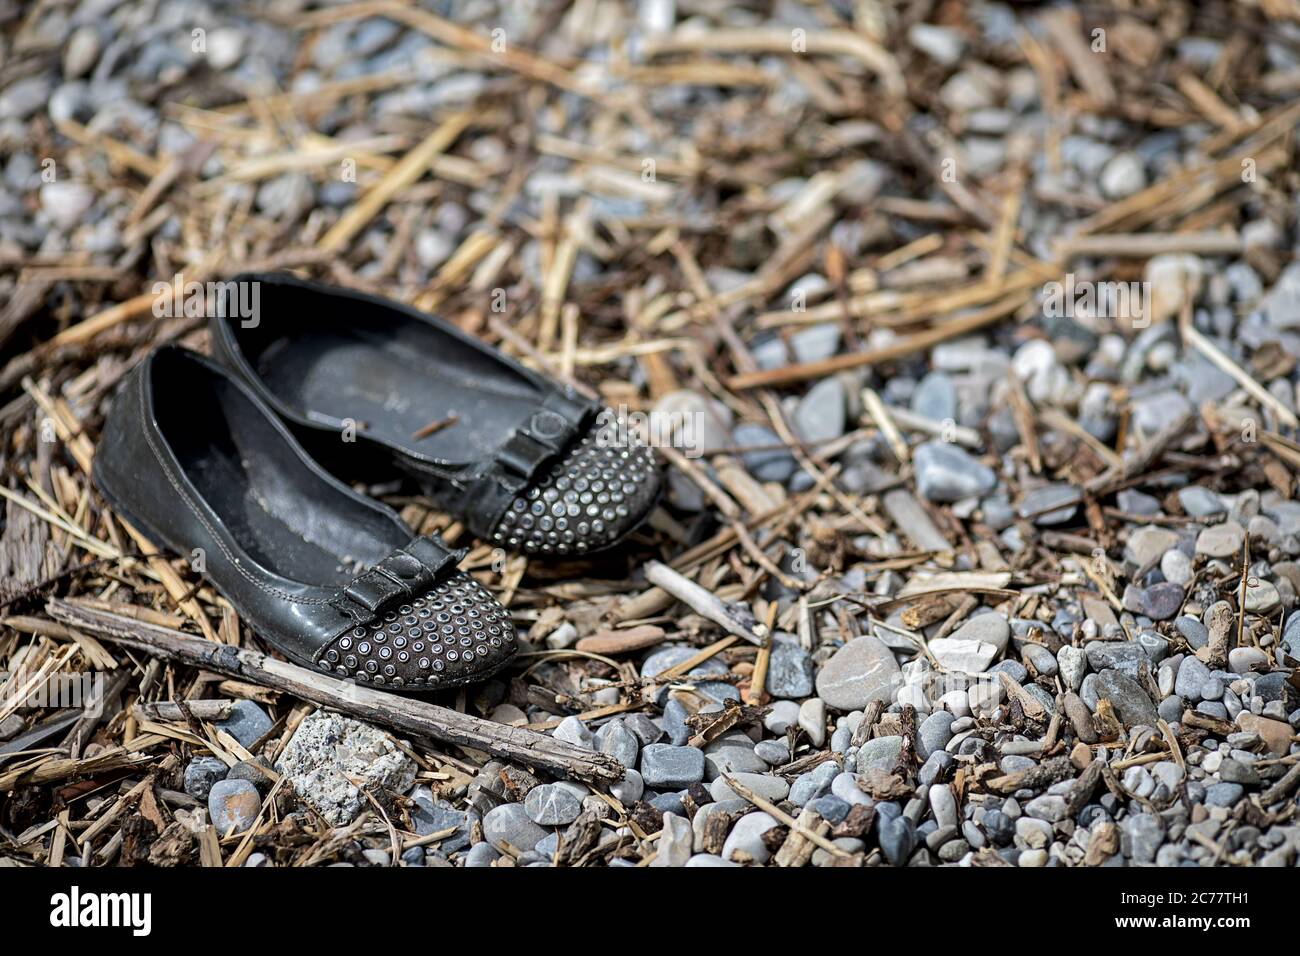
[{"x": 209, "y": 459}]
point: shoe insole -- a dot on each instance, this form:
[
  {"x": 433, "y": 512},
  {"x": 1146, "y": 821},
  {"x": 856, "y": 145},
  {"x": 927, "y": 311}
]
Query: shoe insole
[
  {"x": 282, "y": 514},
  {"x": 394, "y": 389}
]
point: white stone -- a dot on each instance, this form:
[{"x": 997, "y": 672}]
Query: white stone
[{"x": 971, "y": 657}]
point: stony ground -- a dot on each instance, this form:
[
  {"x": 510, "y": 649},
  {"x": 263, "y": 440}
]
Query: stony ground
[{"x": 984, "y": 319}]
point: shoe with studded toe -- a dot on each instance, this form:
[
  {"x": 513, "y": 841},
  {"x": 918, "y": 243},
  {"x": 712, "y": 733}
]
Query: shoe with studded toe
[
  {"x": 193, "y": 460},
  {"x": 527, "y": 463}
]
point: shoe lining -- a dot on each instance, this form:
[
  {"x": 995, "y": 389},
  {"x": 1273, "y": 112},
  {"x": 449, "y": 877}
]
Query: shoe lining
[{"x": 282, "y": 515}]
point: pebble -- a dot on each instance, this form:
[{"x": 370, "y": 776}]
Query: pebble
[
  {"x": 551, "y": 805},
  {"x": 510, "y": 823},
  {"x": 935, "y": 768},
  {"x": 233, "y": 804},
  {"x": 770, "y": 461},
  {"x": 746, "y": 838},
  {"x": 666, "y": 767},
  {"x": 702, "y": 423},
  {"x": 620, "y": 743},
  {"x": 861, "y": 671},
  {"x": 628, "y": 790},
  {"x": 880, "y": 753},
  {"x": 1192, "y": 678},
  {"x": 1049, "y": 807},
  {"x": 66, "y": 203},
  {"x": 1073, "y": 664},
  {"x": 573, "y": 731},
  {"x": 330, "y": 758},
  {"x": 934, "y": 733},
  {"x": 767, "y": 787},
  {"x": 813, "y": 784},
  {"x": 80, "y": 52},
  {"x": 432, "y": 816},
  {"x": 812, "y": 720},
  {"x": 772, "y": 752},
  {"x": 1262, "y": 597},
  {"x": 789, "y": 669},
  {"x": 1176, "y": 567},
  {"x": 897, "y": 838},
  {"x": 201, "y": 773},
  {"x": 1126, "y": 657},
  {"x": 1124, "y": 175},
  {"x": 675, "y": 842},
  {"x": 990, "y": 628},
  {"x": 481, "y": 854},
  {"x": 970, "y": 657},
  {"x": 945, "y": 473},
  {"x": 1159, "y": 602},
  {"x": 247, "y": 722},
  {"x": 935, "y": 397},
  {"x": 783, "y": 715},
  {"x": 1221, "y": 541},
  {"x": 1242, "y": 659},
  {"x": 1042, "y": 660},
  {"x": 1148, "y": 544},
  {"x": 943, "y": 805},
  {"x": 821, "y": 414},
  {"x": 1132, "y": 705},
  {"x": 1038, "y": 504}
]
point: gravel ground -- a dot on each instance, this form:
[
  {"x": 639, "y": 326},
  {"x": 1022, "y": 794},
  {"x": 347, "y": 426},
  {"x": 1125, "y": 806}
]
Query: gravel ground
[{"x": 984, "y": 322}]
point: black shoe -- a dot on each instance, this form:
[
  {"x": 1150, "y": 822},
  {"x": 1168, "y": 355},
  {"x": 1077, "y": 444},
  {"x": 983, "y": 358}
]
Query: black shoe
[
  {"x": 522, "y": 460},
  {"x": 194, "y": 460}
]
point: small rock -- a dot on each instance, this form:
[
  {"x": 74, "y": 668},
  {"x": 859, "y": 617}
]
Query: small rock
[
  {"x": 820, "y": 416},
  {"x": 200, "y": 775},
  {"x": 1073, "y": 664},
  {"x": 880, "y": 753},
  {"x": 66, "y": 202},
  {"x": 675, "y": 842},
  {"x": 233, "y": 804},
  {"x": 247, "y": 722},
  {"x": 746, "y": 838},
  {"x": 971, "y": 657},
  {"x": 945, "y": 473},
  {"x": 789, "y": 669},
  {"x": 784, "y": 715},
  {"x": 812, "y": 720},
  {"x": 1124, "y": 175},
  {"x": 861, "y": 671},
  {"x": 330, "y": 757},
  {"x": 1132, "y": 705},
  {"x": 552, "y": 805},
  {"x": 509, "y": 823},
  {"x": 665, "y": 767},
  {"x": 80, "y": 52},
  {"x": 1221, "y": 540},
  {"x": 574, "y": 731}
]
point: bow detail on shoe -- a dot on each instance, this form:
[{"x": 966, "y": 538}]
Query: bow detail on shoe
[
  {"x": 408, "y": 571},
  {"x": 547, "y": 433}
]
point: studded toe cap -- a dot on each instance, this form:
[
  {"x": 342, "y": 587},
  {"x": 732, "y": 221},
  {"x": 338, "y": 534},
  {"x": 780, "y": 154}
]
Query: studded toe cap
[
  {"x": 592, "y": 497},
  {"x": 454, "y": 633}
]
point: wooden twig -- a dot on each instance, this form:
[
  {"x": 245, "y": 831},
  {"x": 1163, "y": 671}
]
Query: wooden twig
[
  {"x": 701, "y": 601},
  {"x": 408, "y": 714}
]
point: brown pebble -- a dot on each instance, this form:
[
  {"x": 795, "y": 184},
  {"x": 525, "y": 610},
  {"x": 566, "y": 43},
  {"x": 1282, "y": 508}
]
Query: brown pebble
[{"x": 1080, "y": 718}]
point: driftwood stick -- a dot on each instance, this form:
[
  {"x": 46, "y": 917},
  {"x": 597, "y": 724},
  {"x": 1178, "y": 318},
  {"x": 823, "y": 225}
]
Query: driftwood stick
[
  {"x": 407, "y": 714},
  {"x": 701, "y": 601},
  {"x": 175, "y": 710}
]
